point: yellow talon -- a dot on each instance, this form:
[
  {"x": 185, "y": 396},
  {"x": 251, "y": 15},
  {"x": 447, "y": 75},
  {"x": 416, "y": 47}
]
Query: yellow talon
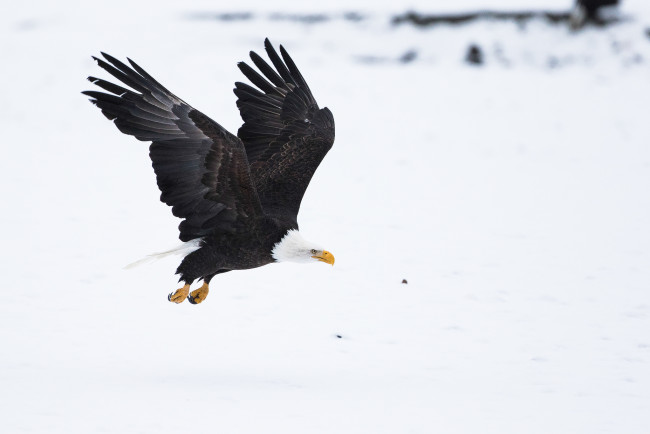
[
  {"x": 198, "y": 295},
  {"x": 179, "y": 295}
]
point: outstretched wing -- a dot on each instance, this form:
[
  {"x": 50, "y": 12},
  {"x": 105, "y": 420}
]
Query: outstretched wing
[
  {"x": 201, "y": 168},
  {"x": 285, "y": 133}
]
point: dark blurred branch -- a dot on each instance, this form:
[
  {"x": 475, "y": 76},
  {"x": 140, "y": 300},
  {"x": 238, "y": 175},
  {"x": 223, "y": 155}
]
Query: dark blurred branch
[
  {"x": 424, "y": 20},
  {"x": 588, "y": 7}
]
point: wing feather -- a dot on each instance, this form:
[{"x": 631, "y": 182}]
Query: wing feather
[
  {"x": 285, "y": 133},
  {"x": 201, "y": 169}
]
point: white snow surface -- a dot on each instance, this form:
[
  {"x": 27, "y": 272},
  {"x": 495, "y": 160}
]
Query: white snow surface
[{"x": 514, "y": 198}]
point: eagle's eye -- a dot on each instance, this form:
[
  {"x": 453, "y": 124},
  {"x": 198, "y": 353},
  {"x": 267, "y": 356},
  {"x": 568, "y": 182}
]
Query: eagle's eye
[{"x": 313, "y": 251}]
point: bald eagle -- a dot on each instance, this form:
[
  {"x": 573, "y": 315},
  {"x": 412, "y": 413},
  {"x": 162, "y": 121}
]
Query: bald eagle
[{"x": 238, "y": 196}]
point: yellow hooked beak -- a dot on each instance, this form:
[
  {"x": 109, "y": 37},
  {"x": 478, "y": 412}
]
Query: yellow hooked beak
[{"x": 326, "y": 257}]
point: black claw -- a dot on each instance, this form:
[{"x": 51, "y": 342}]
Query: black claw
[
  {"x": 169, "y": 297},
  {"x": 191, "y": 299}
]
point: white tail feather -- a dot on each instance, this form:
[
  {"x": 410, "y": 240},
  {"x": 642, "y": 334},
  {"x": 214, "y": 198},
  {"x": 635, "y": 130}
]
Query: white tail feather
[{"x": 183, "y": 250}]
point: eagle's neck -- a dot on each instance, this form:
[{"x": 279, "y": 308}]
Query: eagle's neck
[{"x": 292, "y": 248}]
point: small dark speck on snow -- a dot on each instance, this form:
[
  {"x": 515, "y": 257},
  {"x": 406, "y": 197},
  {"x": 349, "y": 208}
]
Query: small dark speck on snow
[
  {"x": 409, "y": 56},
  {"x": 404, "y": 281}
]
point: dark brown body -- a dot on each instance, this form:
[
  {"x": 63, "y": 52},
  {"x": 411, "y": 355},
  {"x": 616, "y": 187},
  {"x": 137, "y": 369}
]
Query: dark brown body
[{"x": 226, "y": 251}]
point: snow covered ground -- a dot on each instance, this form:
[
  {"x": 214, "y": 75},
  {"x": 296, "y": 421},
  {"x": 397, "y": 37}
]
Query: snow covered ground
[{"x": 513, "y": 197}]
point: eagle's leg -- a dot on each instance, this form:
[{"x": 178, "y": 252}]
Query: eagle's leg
[
  {"x": 180, "y": 294},
  {"x": 198, "y": 295}
]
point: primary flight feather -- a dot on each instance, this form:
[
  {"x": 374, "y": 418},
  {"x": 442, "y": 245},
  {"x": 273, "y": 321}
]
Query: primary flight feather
[{"x": 238, "y": 196}]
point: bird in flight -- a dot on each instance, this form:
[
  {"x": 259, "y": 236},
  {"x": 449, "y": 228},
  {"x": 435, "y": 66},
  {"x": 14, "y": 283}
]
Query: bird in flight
[{"x": 238, "y": 196}]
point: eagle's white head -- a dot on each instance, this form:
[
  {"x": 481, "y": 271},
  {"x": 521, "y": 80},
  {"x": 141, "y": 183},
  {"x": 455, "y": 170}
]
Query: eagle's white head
[{"x": 294, "y": 248}]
